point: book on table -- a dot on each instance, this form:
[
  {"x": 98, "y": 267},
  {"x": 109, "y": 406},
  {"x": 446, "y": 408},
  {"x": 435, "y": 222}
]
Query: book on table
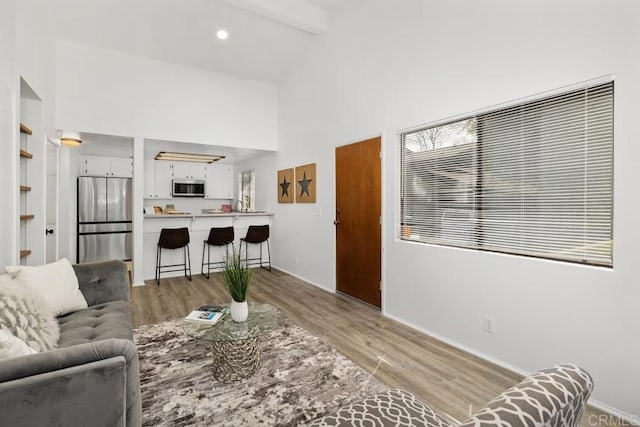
[{"x": 208, "y": 317}]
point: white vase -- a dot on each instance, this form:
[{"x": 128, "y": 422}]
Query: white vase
[{"x": 239, "y": 311}]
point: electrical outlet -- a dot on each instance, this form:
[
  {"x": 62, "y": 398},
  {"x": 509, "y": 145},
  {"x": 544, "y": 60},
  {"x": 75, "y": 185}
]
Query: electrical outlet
[{"x": 488, "y": 324}]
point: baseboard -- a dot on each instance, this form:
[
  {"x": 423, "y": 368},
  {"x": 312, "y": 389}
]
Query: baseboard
[
  {"x": 303, "y": 279},
  {"x": 460, "y": 346},
  {"x": 617, "y": 417},
  {"x": 137, "y": 285}
]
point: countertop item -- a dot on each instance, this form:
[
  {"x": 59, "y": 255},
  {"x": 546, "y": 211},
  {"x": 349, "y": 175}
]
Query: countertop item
[{"x": 205, "y": 215}]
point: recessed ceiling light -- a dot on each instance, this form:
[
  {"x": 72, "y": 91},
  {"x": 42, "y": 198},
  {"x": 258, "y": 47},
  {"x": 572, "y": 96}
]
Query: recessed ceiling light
[{"x": 222, "y": 34}]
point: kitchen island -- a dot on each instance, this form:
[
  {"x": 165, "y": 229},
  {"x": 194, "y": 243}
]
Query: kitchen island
[{"x": 199, "y": 225}]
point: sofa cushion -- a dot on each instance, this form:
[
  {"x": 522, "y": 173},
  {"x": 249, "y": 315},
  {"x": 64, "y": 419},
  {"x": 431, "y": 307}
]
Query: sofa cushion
[
  {"x": 56, "y": 283},
  {"x": 391, "y": 408},
  {"x": 11, "y": 346},
  {"x": 25, "y": 315},
  {"x": 99, "y": 322}
]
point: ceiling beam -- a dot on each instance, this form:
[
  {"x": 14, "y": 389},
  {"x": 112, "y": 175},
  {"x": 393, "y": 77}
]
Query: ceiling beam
[{"x": 298, "y": 14}]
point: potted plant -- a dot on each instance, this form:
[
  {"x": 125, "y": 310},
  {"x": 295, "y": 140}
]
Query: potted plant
[{"x": 237, "y": 277}]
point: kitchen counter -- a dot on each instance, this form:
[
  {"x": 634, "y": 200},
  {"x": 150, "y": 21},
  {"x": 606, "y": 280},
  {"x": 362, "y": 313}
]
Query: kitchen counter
[
  {"x": 213, "y": 215},
  {"x": 199, "y": 225}
]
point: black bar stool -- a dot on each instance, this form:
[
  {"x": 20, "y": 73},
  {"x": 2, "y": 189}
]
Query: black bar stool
[
  {"x": 218, "y": 236},
  {"x": 173, "y": 238},
  {"x": 256, "y": 234}
]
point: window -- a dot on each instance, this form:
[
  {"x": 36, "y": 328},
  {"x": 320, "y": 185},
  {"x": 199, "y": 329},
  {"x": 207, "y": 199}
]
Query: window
[
  {"x": 533, "y": 179},
  {"x": 247, "y": 186}
]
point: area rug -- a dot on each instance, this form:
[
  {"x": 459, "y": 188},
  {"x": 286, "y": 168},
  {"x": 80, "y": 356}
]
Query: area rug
[{"x": 300, "y": 379}]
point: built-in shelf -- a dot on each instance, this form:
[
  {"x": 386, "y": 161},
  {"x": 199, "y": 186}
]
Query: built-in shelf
[
  {"x": 25, "y": 252},
  {"x": 26, "y": 154},
  {"x": 25, "y": 129},
  {"x": 25, "y": 188},
  {"x": 26, "y": 217}
]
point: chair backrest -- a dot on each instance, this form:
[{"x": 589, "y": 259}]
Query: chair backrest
[
  {"x": 257, "y": 234},
  {"x": 220, "y": 236},
  {"x": 173, "y": 238}
]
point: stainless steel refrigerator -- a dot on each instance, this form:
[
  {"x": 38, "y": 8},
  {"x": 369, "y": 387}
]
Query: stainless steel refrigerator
[{"x": 104, "y": 219}]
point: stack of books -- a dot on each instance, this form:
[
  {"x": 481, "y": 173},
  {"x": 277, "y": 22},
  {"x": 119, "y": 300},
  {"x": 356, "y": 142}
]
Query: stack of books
[{"x": 209, "y": 315}]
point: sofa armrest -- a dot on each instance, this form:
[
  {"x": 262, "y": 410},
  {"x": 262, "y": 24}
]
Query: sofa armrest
[
  {"x": 102, "y": 282},
  {"x": 39, "y": 368},
  {"x": 551, "y": 397},
  {"x": 392, "y": 407},
  {"x": 72, "y": 396}
]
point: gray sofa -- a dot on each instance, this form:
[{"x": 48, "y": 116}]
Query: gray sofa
[
  {"x": 92, "y": 378},
  {"x": 553, "y": 397}
]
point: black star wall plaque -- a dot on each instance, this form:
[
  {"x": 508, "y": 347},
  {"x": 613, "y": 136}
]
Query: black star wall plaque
[
  {"x": 284, "y": 185},
  {"x": 285, "y": 188},
  {"x": 306, "y": 183}
]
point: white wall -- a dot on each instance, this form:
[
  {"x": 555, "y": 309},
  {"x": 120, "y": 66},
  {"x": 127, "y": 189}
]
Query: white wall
[
  {"x": 26, "y": 50},
  {"x": 113, "y": 93},
  {"x": 36, "y": 52},
  {"x": 385, "y": 66},
  {"x": 8, "y": 130}
]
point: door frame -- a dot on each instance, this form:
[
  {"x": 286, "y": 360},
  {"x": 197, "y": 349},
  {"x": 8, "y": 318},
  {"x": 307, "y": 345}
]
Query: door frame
[
  {"x": 381, "y": 135},
  {"x": 50, "y": 143}
]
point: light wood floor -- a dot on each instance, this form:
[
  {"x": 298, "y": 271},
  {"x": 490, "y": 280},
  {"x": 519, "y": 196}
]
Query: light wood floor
[{"x": 449, "y": 380}]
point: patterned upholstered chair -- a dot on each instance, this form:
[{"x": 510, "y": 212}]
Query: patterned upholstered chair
[{"x": 553, "y": 397}]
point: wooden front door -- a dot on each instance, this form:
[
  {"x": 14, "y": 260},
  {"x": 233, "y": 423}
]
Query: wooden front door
[{"x": 358, "y": 218}]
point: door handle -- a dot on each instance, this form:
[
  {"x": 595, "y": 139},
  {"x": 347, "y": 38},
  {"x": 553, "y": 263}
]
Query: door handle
[
  {"x": 336, "y": 222},
  {"x": 48, "y": 231}
]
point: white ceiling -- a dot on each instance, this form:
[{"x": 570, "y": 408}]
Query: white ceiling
[{"x": 183, "y": 31}]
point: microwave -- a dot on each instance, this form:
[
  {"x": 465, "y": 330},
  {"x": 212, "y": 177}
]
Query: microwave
[{"x": 188, "y": 188}]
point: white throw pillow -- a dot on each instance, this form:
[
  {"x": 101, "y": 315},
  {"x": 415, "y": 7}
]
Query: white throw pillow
[
  {"x": 56, "y": 283},
  {"x": 26, "y": 316},
  {"x": 11, "y": 346}
]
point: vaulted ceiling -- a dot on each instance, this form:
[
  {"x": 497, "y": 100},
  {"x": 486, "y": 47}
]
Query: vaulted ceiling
[{"x": 265, "y": 36}]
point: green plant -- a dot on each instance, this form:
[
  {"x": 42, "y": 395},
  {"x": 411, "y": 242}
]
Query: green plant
[{"x": 236, "y": 276}]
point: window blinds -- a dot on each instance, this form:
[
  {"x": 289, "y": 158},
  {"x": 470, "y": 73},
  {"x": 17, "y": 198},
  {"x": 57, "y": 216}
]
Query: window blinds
[{"x": 535, "y": 179}]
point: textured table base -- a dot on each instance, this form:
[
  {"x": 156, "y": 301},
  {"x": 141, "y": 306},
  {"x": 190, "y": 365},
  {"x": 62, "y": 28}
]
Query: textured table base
[{"x": 235, "y": 360}]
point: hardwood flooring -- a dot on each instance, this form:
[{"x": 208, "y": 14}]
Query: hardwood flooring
[{"x": 450, "y": 380}]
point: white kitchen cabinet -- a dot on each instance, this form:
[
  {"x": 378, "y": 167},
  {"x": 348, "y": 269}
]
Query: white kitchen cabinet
[
  {"x": 186, "y": 170},
  {"x": 157, "y": 179},
  {"x": 122, "y": 168},
  {"x": 106, "y": 166},
  {"x": 149, "y": 179},
  {"x": 95, "y": 166},
  {"x": 219, "y": 181},
  {"x": 163, "y": 179}
]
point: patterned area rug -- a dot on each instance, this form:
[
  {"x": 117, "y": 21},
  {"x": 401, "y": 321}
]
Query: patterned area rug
[{"x": 300, "y": 378}]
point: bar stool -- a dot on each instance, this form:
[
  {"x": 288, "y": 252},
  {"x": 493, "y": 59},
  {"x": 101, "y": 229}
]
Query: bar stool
[
  {"x": 218, "y": 236},
  {"x": 256, "y": 234},
  {"x": 173, "y": 238}
]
